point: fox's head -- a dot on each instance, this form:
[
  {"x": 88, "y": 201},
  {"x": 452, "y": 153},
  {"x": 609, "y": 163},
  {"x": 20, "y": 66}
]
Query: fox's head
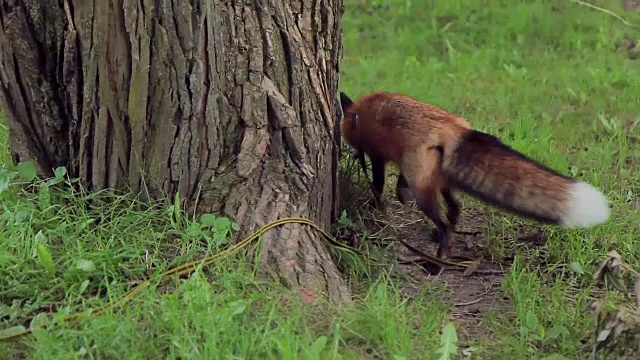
[
  {"x": 349, "y": 123},
  {"x": 349, "y": 134}
]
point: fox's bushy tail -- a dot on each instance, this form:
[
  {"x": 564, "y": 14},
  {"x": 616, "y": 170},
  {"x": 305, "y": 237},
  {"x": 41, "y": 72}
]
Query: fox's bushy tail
[{"x": 485, "y": 167}]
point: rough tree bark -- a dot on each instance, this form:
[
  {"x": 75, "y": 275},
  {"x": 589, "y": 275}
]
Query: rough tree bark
[{"x": 228, "y": 103}]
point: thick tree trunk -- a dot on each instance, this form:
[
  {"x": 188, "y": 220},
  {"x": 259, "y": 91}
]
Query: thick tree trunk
[{"x": 228, "y": 103}]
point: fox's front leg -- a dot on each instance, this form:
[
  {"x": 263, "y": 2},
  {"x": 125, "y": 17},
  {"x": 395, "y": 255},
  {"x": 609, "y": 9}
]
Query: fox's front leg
[{"x": 379, "y": 177}]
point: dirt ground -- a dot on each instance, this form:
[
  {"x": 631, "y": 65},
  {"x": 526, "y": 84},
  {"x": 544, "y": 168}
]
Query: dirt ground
[{"x": 472, "y": 297}]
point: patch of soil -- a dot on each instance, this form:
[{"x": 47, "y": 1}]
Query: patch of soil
[
  {"x": 635, "y": 202},
  {"x": 471, "y": 297},
  {"x": 631, "y": 5}
]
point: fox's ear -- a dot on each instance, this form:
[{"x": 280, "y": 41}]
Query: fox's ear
[{"x": 345, "y": 101}]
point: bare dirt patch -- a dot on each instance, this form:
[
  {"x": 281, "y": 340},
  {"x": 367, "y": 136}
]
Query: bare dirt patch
[
  {"x": 631, "y": 5},
  {"x": 471, "y": 296}
]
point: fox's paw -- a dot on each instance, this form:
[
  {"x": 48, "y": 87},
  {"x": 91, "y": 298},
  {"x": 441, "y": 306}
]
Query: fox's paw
[{"x": 443, "y": 253}]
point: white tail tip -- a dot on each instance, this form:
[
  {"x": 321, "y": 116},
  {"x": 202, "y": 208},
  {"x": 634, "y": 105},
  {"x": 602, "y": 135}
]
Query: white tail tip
[{"x": 586, "y": 207}]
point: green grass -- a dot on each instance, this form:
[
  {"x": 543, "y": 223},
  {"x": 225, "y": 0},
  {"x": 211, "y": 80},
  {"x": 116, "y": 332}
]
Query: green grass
[{"x": 545, "y": 76}]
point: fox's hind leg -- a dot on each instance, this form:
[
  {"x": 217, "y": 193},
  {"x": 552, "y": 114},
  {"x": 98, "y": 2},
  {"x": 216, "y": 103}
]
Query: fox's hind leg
[
  {"x": 427, "y": 201},
  {"x": 403, "y": 192},
  {"x": 404, "y": 195},
  {"x": 423, "y": 173},
  {"x": 453, "y": 207}
]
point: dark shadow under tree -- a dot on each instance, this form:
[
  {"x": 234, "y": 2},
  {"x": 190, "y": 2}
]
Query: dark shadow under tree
[{"x": 228, "y": 103}]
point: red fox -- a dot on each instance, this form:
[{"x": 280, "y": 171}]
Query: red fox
[{"x": 437, "y": 153}]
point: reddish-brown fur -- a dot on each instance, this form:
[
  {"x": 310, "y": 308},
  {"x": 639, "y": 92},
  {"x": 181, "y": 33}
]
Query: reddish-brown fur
[{"x": 438, "y": 152}]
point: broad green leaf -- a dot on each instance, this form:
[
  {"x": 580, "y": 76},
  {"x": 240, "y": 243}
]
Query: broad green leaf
[
  {"x": 27, "y": 170},
  {"x": 207, "y": 220},
  {"x": 84, "y": 286},
  {"x": 41, "y": 318},
  {"x": 85, "y": 265},
  {"x": 222, "y": 224},
  {"x": 576, "y": 267},
  {"x": 12, "y": 331},
  {"x": 318, "y": 346},
  {"x": 557, "y": 331},
  {"x": 60, "y": 172},
  {"x": 448, "y": 342},
  {"x": 4, "y": 184},
  {"x": 40, "y": 237},
  {"x": 45, "y": 258},
  {"x": 238, "y": 307},
  {"x": 531, "y": 320}
]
